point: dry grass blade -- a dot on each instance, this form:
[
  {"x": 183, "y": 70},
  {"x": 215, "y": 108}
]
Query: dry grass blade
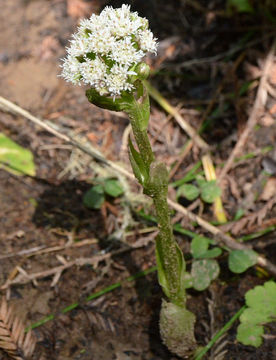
[{"x": 13, "y": 339}]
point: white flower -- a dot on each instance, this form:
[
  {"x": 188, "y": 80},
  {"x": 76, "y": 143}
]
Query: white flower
[
  {"x": 125, "y": 53},
  {"x": 105, "y": 48},
  {"x": 92, "y": 71},
  {"x": 117, "y": 80}
]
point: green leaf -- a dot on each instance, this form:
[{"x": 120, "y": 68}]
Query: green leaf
[
  {"x": 103, "y": 102},
  {"x": 215, "y": 252},
  {"x": 203, "y": 272},
  {"x": 199, "y": 246},
  {"x": 137, "y": 163},
  {"x": 249, "y": 334},
  {"x": 15, "y": 158},
  {"x": 239, "y": 214},
  {"x": 209, "y": 191},
  {"x": 188, "y": 280},
  {"x": 113, "y": 188},
  {"x": 240, "y": 5},
  {"x": 240, "y": 260},
  {"x": 261, "y": 302},
  {"x": 137, "y": 108},
  {"x": 162, "y": 279},
  {"x": 94, "y": 198},
  {"x": 189, "y": 191}
]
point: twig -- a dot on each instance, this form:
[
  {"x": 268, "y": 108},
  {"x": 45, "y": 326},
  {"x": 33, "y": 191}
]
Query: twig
[
  {"x": 220, "y": 237},
  {"x": 225, "y": 239},
  {"x": 56, "y": 271},
  {"x": 258, "y": 104},
  {"x": 7, "y": 105},
  {"x": 43, "y": 250}
]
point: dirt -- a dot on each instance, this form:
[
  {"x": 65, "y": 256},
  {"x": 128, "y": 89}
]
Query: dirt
[{"x": 47, "y": 210}]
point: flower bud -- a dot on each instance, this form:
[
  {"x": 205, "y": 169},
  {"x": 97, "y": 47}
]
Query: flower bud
[{"x": 142, "y": 70}]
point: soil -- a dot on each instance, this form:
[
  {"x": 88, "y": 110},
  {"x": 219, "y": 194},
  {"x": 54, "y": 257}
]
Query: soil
[{"x": 47, "y": 210}]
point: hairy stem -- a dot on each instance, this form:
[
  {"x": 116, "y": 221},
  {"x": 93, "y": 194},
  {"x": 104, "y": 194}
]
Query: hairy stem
[{"x": 168, "y": 246}]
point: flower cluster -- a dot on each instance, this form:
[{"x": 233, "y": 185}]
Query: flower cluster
[{"x": 106, "y": 49}]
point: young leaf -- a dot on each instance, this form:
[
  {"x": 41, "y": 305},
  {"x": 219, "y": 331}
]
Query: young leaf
[
  {"x": 240, "y": 260},
  {"x": 215, "y": 252},
  {"x": 113, "y": 188},
  {"x": 199, "y": 246},
  {"x": 137, "y": 108},
  {"x": 188, "y": 280},
  {"x": 162, "y": 279},
  {"x": 15, "y": 158},
  {"x": 103, "y": 102},
  {"x": 209, "y": 191},
  {"x": 189, "y": 191},
  {"x": 240, "y": 5},
  {"x": 203, "y": 272},
  {"x": 261, "y": 302},
  {"x": 137, "y": 163},
  {"x": 94, "y": 198}
]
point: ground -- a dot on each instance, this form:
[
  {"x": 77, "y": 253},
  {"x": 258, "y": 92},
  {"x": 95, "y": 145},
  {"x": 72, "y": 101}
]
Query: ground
[{"x": 208, "y": 66}]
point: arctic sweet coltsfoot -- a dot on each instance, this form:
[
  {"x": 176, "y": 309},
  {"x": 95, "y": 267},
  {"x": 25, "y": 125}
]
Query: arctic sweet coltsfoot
[
  {"x": 106, "y": 53},
  {"x": 106, "y": 49}
]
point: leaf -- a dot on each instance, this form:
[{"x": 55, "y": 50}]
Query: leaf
[
  {"x": 261, "y": 302},
  {"x": 188, "y": 280},
  {"x": 189, "y": 191},
  {"x": 212, "y": 253},
  {"x": 137, "y": 163},
  {"x": 250, "y": 335},
  {"x": 240, "y": 5},
  {"x": 179, "y": 297},
  {"x": 162, "y": 279},
  {"x": 137, "y": 108},
  {"x": 15, "y": 158},
  {"x": 240, "y": 260},
  {"x": 113, "y": 188},
  {"x": 209, "y": 191},
  {"x": 103, "y": 102},
  {"x": 94, "y": 197},
  {"x": 199, "y": 246},
  {"x": 203, "y": 272},
  {"x": 177, "y": 329}
]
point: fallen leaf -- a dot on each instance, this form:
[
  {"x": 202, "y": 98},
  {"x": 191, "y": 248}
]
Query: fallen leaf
[{"x": 269, "y": 190}]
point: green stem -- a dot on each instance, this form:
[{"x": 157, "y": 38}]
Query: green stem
[
  {"x": 169, "y": 257},
  {"x": 168, "y": 246},
  {"x": 142, "y": 140}
]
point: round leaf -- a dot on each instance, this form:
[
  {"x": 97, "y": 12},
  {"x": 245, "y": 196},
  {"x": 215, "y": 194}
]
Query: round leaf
[
  {"x": 203, "y": 272},
  {"x": 189, "y": 191},
  {"x": 113, "y": 188},
  {"x": 199, "y": 246},
  {"x": 249, "y": 334},
  {"x": 240, "y": 260},
  {"x": 261, "y": 309},
  {"x": 94, "y": 198},
  {"x": 210, "y": 191}
]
